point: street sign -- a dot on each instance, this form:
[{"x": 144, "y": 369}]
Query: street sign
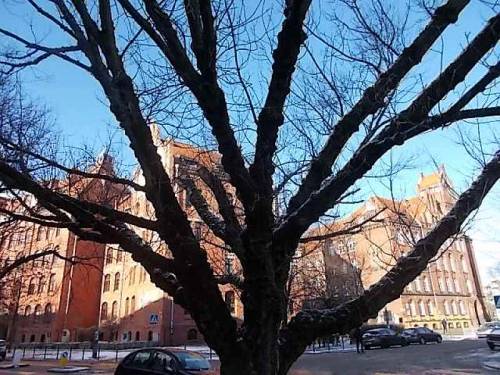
[
  {"x": 154, "y": 319},
  {"x": 497, "y": 301}
]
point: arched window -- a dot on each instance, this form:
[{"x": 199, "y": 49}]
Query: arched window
[
  {"x": 413, "y": 311},
  {"x": 132, "y": 305},
  {"x": 469, "y": 286},
  {"x": 449, "y": 285},
  {"x": 127, "y": 305},
  {"x": 107, "y": 283},
  {"x": 418, "y": 287},
  {"x": 230, "y": 302},
  {"x": 446, "y": 305},
  {"x": 27, "y": 310},
  {"x": 421, "y": 307},
  {"x": 192, "y": 334},
  {"x": 430, "y": 307},
  {"x": 441, "y": 284},
  {"x": 41, "y": 285},
  {"x": 457, "y": 285},
  {"x": 137, "y": 336},
  {"x": 109, "y": 256},
  {"x": 427, "y": 285},
  {"x": 104, "y": 311},
  {"x": 453, "y": 307},
  {"x": 32, "y": 338},
  {"x": 32, "y": 286},
  {"x": 462, "y": 308},
  {"x": 52, "y": 282},
  {"x": 114, "y": 310},
  {"x": 38, "y": 311},
  {"x": 116, "y": 285},
  {"x": 131, "y": 278},
  {"x": 150, "y": 335},
  {"x": 119, "y": 256},
  {"x": 48, "y": 309}
]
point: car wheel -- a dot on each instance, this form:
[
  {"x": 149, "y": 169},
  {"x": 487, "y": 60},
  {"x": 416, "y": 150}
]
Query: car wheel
[
  {"x": 368, "y": 347},
  {"x": 439, "y": 340},
  {"x": 492, "y": 346},
  {"x": 421, "y": 341}
]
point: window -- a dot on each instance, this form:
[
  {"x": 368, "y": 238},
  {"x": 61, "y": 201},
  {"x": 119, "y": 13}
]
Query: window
[
  {"x": 452, "y": 262},
  {"x": 462, "y": 308},
  {"x": 48, "y": 309},
  {"x": 469, "y": 285},
  {"x": 449, "y": 285},
  {"x": 114, "y": 310},
  {"x": 132, "y": 304},
  {"x": 107, "y": 283},
  {"x": 119, "y": 256},
  {"x": 141, "y": 360},
  {"x": 228, "y": 263},
  {"x": 446, "y": 308},
  {"x": 413, "y": 310},
  {"x": 109, "y": 256},
  {"x": 52, "y": 282},
  {"x": 192, "y": 334},
  {"x": 137, "y": 336},
  {"x": 127, "y": 305},
  {"x": 441, "y": 284},
  {"x": 38, "y": 311},
  {"x": 27, "y": 311},
  {"x": 418, "y": 287},
  {"x": 466, "y": 324},
  {"x": 457, "y": 285},
  {"x": 159, "y": 361},
  {"x": 409, "y": 287},
  {"x": 32, "y": 286},
  {"x": 454, "y": 307},
  {"x": 197, "y": 229},
  {"x": 104, "y": 311},
  {"x": 230, "y": 302},
  {"x": 41, "y": 285},
  {"x": 39, "y": 233},
  {"x": 421, "y": 308},
  {"x": 116, "y": 284},
  {"x": 131, "y": 278},
  {"x": 150, "y": 335},
  {"x": 427, "y": 285},
  {"x": 430, "y": 307}
]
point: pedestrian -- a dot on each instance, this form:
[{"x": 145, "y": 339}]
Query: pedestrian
[
  {"x": 445, "y": 325},
  {"x": 358, "y": 337}
]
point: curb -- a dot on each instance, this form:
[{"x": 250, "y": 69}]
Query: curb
[{"x": 68, "y": 369}]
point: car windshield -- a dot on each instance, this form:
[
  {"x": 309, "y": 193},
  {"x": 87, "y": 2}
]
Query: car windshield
[
  {"x": 489, "y": 325},
  {"x": 192, "y": 361},
  {"x": 409, "y": 331}
]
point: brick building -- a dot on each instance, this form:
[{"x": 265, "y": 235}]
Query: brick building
[
  {"x": 54, "y": 300},
  {"x": 447, "y": 292}
]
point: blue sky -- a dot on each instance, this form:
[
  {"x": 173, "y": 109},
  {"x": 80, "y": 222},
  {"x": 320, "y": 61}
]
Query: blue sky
[{"x": 81, "y": 113}]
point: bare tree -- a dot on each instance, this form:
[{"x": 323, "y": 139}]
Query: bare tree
[{"x": 188, "y": 65}]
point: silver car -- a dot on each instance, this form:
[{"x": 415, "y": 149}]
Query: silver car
[{"x": 487, "y": 328}]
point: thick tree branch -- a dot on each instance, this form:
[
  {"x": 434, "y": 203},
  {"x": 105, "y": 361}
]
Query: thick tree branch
[
  {"x": 307, "y": 325},
  {"x": 374, "y": 98},
  {"x": 409, "y": 123}
]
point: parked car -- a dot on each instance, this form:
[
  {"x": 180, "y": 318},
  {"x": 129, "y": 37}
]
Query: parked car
[
  {"x": 493, "y": 338},
  {"x": 383, "y": 337},
  {"x": 164, "y": 361},
  {"x": 421, "y": 335},
  {"x": 3, "y": 350},
  {"x": 486, "y": 328}
]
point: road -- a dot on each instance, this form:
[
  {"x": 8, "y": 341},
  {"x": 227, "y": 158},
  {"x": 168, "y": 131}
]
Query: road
[{"x": 449, "y": 358}]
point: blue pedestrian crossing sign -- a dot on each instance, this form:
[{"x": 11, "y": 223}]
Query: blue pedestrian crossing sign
[
  {"x": 154, "y": 319},
  {"x": 497, "y": 301}
]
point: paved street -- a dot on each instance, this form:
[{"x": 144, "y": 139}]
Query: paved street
[
  {"x": 453, "y": 357},
  {"x": 449, "y": 358}
]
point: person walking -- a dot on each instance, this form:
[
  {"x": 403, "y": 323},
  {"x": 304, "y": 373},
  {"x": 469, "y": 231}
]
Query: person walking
[
  {"x": 358, "y": 337},
  {"x": 444, "y": 322}
]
